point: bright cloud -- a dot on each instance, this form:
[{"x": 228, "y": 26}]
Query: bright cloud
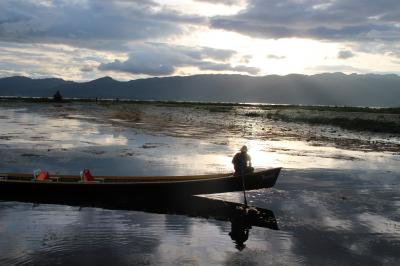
[
  {"x": 160, "y": 60},
  {"x": 87, "y": 39}
]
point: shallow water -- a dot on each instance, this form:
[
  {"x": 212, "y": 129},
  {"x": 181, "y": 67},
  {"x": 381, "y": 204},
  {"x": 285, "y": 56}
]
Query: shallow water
[{"x": 334, "y": 206}]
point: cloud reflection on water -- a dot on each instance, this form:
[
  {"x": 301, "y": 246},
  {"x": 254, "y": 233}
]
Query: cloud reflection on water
[
  {"x": 332, "y": 204},
  {"x": 70, "y": 128}
]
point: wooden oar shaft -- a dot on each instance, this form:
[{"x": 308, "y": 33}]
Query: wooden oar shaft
[{"x": 244, "y": 189}]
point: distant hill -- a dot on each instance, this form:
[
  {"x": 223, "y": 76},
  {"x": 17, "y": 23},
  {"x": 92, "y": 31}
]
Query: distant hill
[{"x": 321, "y": 89}]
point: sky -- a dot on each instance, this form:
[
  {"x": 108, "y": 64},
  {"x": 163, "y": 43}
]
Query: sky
[{"x": 129, "y": 39}]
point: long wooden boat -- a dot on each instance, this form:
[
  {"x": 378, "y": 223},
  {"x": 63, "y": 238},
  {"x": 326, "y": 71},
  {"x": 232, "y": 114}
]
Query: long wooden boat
[{"x": 14, "y": 186}]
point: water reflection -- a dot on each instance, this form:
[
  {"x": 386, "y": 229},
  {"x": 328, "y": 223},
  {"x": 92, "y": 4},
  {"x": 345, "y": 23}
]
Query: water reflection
[
  {"x": 24, "y": 129},
  {"x": 239, "y": 230},
  {"x": 324, "y": 216},
  {"x": 30, "y": 138},
  {"x": 84, "y": 228},
  {"x": 334, "y": 205}
]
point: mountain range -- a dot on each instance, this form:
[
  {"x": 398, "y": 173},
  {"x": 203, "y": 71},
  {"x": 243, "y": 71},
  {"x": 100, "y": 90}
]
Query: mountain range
[{"x": 321, "y": 89}]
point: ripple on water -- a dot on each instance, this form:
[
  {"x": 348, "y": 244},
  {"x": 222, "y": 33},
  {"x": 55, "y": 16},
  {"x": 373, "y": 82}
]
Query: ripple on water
[{"x": 331, "y": 204}]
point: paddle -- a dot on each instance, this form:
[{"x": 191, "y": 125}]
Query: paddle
[{"x": 244, "y": 188}]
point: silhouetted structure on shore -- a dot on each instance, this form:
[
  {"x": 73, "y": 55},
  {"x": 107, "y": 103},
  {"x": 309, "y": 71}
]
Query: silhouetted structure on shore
[{"x": 57, "y": 97}]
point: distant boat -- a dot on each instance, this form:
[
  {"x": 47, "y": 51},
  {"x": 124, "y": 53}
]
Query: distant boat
[{"x": 22, "y": 187}]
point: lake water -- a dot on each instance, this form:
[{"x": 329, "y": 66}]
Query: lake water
[{"x": 333, "y": 205}]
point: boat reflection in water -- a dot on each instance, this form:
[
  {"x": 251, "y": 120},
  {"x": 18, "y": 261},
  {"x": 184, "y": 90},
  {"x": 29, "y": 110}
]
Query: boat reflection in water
[{"x": 241, "y": 217}]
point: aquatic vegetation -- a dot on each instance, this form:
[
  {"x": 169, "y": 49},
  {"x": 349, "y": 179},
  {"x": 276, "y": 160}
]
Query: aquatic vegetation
[
  {"x": 127, "y": 115},
  {"x": 217, "y": 108},
  {"x": 351, "y": 123},
  {"x": 366, "y": 130},
  {"x": 385, "y": 110},
  {"x": 253, "y": 114}
]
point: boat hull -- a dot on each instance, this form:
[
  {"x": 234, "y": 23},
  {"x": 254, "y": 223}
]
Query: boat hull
[{"x": 27, "y": 190}]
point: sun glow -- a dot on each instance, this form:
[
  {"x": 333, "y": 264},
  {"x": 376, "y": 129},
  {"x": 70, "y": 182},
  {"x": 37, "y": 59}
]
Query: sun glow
[
  {"x": 203, "y": 8},
  {"x": 283, "y": 56},
  {"x": 179, "y": 24}
]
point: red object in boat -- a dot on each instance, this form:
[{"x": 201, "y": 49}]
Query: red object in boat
[
  {"x": 87, "y": 176},
  {"x": 42, "y": 176}
]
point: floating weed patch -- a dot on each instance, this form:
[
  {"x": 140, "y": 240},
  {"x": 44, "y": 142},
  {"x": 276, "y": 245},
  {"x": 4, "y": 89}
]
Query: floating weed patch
[
  {"x": 253, "y": 114},
  {"x": 217, "y": 109},
  {"x": 346, "y": 123}
]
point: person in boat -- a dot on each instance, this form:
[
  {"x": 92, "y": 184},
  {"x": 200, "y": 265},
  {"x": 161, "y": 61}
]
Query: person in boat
[{"x": 242, "y": 162}]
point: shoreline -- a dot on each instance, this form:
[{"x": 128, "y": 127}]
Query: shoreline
[{"x": 342, "y": 108}]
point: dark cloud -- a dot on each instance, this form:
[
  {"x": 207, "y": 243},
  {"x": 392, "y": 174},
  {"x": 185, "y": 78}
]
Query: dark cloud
[
  {"x": 391, "y": 49},
  {"x": 227, "y": 67},
  {"x": 86, "y": 69},
  {"x": 326, "y": 20},
  {"x": 93, "y": 24},
  {"x": 161, "y": 59},
  {"x": 127, "y": 26},
  {"x": 217, "y": 54},
  {"x": 345, "y": 54}
]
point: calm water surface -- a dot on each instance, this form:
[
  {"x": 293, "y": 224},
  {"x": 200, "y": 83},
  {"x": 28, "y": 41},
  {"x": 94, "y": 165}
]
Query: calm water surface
[{"x": 333, "y": 206}]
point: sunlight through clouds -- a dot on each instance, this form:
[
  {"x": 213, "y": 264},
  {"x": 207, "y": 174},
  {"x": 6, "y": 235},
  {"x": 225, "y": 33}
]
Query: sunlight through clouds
[
  {"x": 85, "y": 39},
  {"x": 207, "y": 8}
]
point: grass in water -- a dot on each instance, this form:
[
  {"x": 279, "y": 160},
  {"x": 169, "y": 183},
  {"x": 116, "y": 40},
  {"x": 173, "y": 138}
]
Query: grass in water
[{"x": 346, "y": 123}]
